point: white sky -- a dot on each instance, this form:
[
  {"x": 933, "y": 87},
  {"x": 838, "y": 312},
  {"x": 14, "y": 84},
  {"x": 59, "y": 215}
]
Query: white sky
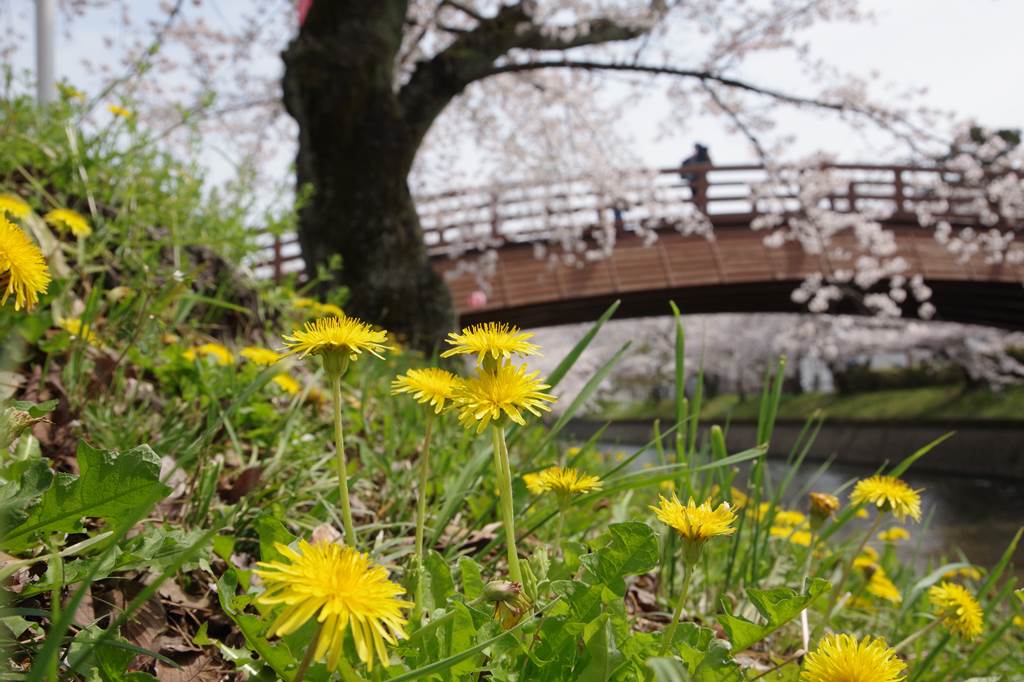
[{"x": 968, "y": 53}]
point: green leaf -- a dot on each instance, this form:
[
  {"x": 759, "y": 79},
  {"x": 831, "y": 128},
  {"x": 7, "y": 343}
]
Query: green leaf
[
  {"x": 472, "y": 578},
  {"x": 17, "y": 497},
  {"x": 108, "y": 656},
  {"x": 717, "y": 664},
  {"x": 272, "y": 532},
  {"x": 692, "y": 641},
  {"x": 451, "y": 661},
  {"x": 778, "y": 606},
  {"x": 110, "y": 485},
  {"x": 461, "y": 637},
  {"x": 277, "y": 656},
  {"x": 628, "y": 549},
  {"x": 39, "y": 410},
  {"x": 440, "y": 585},
  {"x": 601, "y": 655},
  {"x": 668, "y": 670}
]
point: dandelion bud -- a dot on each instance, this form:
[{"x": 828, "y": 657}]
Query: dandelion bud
[
  {"x": 510, "y": 604},
  {"x": 822, "y": 507},
  {"x": 12, "y": 422},
  {"x": 502, "y": 590}
]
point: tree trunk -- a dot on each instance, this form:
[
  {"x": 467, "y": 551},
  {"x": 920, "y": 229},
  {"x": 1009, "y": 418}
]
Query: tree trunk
[{"x": 355, "y": 153}]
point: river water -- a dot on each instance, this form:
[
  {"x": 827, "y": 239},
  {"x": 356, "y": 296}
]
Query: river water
[{"x": 974, "y": 516}]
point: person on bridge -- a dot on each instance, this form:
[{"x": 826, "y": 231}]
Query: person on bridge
[
  {"x": 698, "y": 182},
  {"x": 700, "y": 157}
]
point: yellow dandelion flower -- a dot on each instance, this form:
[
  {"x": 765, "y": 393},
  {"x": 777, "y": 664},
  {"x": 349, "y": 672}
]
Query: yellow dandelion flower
[
  {"x": 823, "y": 505},
  {"x": 23, "y": 270},
  {"x": 1018, "y": 621},
  {"x": 620, "y": 456},
  {"x": 329, "y": 335},
  {"x": 737, "y": 498},
  {"x": 317, "y": 307},
  {"x": 71, "y": 92},
  {"x": 894, "y": 535},
  {"x": 431, "y": 385},
  {"x": 13, "y": 206},
  {"x": 507, "y": 391},
  {"x": 969, "y": 572},
  {"x": 287, "y": 384},
  {"x": 880, "y": 586},
  {"x": 841, "y": 658},
  {"x": 74, "y": 326},
  {"x": 796, "y": 536},
  {"x": 762, "y": 511},
  {"x": 861, "y": 514},
  {"x": 888, "y": 494},
  {"x": 120, "y": 111},
  {"x": 695, "y": 523},
  {"x": 668, "y": 485},
  {"x": 331, "y": 309},
  {"x": 260, "y": 356},
  {"x": 870, "y": 552},
  {"x": 491, "y": 340},
  {"x": 861, "y": 604},
  {"x": 959, "y": 610},
  {"x": 344, "y": 590},
  {"x": 214, "y": 350},
  {"x": 788, "y": 517},
  {"x": 68, "y": 219},
  {"x": 563, "y": 482}
]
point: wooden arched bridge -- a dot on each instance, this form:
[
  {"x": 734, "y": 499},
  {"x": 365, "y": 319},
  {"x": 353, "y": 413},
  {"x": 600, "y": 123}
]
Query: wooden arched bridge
[{"x": 499, "y": 248}]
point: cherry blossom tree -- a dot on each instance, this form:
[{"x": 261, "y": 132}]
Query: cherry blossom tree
[{"x": 389, "y": 99}]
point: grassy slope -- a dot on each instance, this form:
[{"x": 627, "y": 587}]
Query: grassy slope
[{"x": 926, "y": 403}]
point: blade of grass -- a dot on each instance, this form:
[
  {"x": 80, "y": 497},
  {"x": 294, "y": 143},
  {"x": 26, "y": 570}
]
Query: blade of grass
[
  {"x": 570, "y": 359},
  {"x": 588, "y": 390}
]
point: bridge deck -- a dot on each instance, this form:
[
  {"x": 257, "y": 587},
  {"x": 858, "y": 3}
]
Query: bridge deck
[{"x": 496, "y": 231}]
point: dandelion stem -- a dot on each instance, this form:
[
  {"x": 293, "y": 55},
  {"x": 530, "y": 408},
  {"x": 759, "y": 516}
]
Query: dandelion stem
[
  {"x": 562, "y": 508},
  {"x": 504, "y": 474},
  {"x": 308, "y": 658},
  {"x": 666, "y": 641},
  {"x": 339, "y": 446},
  {"x": 421, "y": 509}
]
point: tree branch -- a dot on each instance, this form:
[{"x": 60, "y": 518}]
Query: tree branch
[
  {"x": 469, "y": 11},
  {"x": 704, "y": 76},
  {"x": 740, "y": 124},
  {"x": 883, "y": 119},
  {"x": 472, "y": 55}
]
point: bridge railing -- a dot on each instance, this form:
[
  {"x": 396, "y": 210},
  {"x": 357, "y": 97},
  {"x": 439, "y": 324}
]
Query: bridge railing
[{"x": 476, "y": 219}]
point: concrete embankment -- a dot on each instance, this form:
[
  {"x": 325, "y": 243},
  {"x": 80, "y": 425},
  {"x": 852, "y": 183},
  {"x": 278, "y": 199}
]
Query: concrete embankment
[{"x": 987, "y": 449}]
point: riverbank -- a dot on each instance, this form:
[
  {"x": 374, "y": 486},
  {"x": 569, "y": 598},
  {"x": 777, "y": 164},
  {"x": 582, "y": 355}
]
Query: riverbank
[
  {"x": 955, "y": 402},
  {"x": 988, "y": 449}
]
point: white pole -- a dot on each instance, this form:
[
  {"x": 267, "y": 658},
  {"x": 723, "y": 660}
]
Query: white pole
[{"x": 46, "y": 89}]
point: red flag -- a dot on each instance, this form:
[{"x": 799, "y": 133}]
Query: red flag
[{"x": 304, "y": 6}]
